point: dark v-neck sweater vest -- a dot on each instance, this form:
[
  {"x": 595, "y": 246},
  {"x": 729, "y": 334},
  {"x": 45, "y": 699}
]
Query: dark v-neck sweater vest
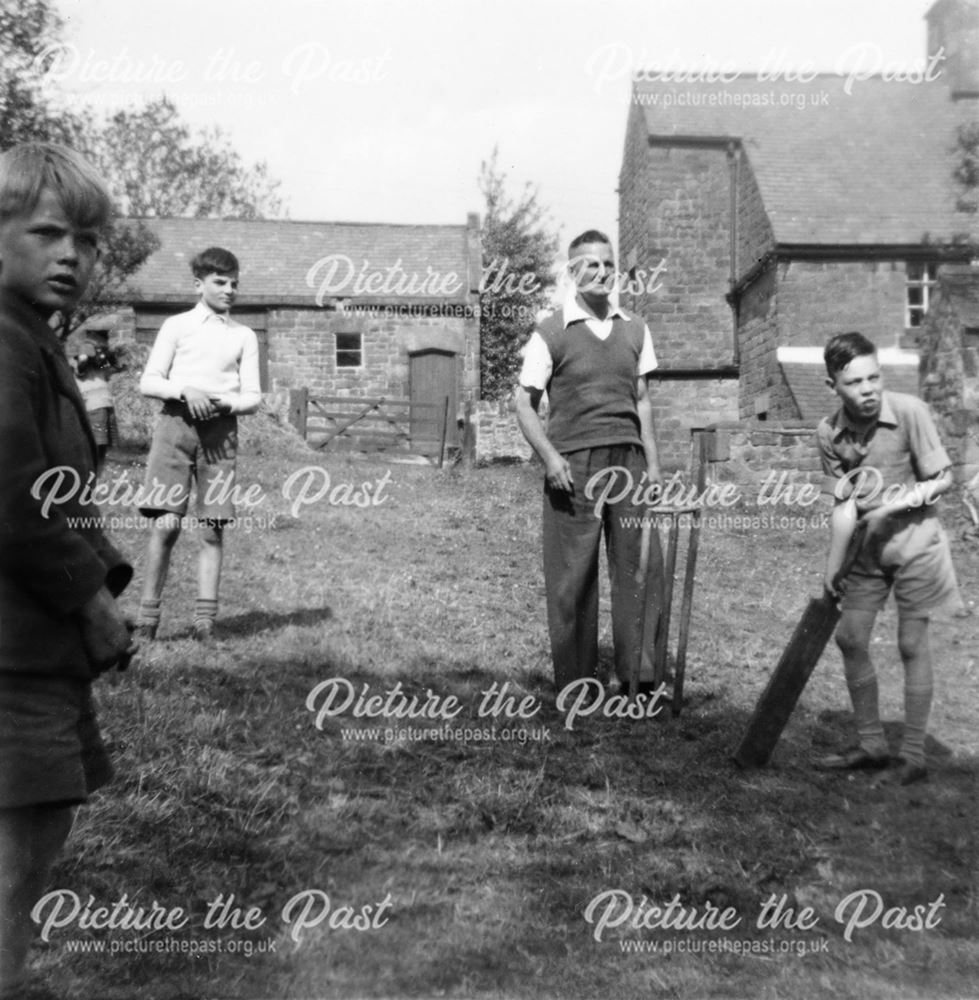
[{"x": 592, "y": 393}]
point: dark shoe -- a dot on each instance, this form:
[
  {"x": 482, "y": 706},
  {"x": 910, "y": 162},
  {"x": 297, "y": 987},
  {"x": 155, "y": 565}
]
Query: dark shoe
[
  {"x": 902, "y": 773},
  {"x": 646, "y": 688},
  {"x": 145, "y": 633},
  {"x": 203, "y": 631},
  {"x": 852, "y": 760}
]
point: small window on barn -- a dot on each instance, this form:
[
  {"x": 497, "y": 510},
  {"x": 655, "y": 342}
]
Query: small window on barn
[
  {"x": 921, "y": 280},
  {"x": 350, "y": 350}
]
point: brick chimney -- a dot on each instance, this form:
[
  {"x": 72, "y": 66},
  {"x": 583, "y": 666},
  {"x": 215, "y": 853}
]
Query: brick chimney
[{"x": 953, "y": 26}]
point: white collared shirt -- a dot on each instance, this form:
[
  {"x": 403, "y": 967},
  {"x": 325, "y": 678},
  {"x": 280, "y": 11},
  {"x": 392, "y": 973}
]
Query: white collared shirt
[
  {"x": 205, "y": 350},
  {"x": 537, "y": 363}
]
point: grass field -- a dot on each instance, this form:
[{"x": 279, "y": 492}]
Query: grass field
[{"x": 450, "y": 867}]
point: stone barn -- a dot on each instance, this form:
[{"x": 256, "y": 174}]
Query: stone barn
[
  {"x": 778, "y": 212},
  {"x": 341, "y": 309}
]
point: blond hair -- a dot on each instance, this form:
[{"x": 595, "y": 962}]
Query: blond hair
[{"x": 28, "y": 169}]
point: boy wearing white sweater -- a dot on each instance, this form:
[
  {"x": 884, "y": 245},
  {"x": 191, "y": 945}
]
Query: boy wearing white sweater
[{"x": 204, "y": 366}]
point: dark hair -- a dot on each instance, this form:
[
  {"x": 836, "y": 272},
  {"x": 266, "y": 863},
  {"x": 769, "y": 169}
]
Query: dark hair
[
  {"x": 588, "y": 236},
  {"x": 214, "y": 260},
  {"x": 843, "y": 348},
  {"x": 30, "y": 168}
]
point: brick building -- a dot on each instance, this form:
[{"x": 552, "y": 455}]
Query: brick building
[
  {"x": 780, "y": 212},
  {"x": 343, "y": 309}
]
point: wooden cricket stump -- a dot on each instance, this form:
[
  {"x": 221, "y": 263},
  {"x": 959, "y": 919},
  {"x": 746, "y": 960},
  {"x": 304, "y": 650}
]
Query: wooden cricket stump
[{"x": 661, "y": 648}]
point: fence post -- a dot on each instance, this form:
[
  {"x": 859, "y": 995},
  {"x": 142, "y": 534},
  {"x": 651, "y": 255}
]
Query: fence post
[
  {"x": 299, "y": 409},
  {"x": 445, "y": 424},
  {"x": 468, "y": 437}
]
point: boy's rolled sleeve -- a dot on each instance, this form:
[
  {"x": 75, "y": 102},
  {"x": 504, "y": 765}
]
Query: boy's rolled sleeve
[
  {"x": 832, "y": 463},
  {"x": 927, "y": 450}
]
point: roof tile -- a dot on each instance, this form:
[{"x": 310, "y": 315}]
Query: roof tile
[
  {"x": 872, "y": 166},
  {"x": 278, "y": 259}
]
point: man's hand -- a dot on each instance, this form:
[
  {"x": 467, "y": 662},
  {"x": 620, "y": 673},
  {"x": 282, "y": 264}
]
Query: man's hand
[
  {"x": 198, "y": 403},
  {"x": 220, "y": 408},
  {"x": 558, "y": 474},
  {"x": 653, "y": 476},
  {"x": 104, "y": 632}
]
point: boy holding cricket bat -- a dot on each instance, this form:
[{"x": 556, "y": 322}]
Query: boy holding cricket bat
[
  {"x": 593, "y": 359},
  {"x": 882, "y": 458}
]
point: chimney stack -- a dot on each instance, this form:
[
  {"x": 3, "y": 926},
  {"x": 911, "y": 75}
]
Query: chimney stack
[{"x": 953, "y": 27}]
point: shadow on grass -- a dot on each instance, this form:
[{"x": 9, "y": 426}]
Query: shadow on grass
[
  {"x": 256, "y": 622},
  {"x": 517, "y": 838}
]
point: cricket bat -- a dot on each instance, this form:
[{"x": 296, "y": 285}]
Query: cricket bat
[{"x": 795, "y": 666}]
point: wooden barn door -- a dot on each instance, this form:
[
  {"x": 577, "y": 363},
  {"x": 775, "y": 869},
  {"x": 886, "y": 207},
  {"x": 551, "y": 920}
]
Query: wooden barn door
[{"x": 432, "y": 377}]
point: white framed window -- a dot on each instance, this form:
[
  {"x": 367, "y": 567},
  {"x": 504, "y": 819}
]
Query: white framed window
[
  {"x": 920, "y": 281},
  {"x": 350, "y": 350}
]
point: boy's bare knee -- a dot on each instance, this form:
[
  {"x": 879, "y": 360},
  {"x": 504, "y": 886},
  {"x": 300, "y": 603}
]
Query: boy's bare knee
[
  {"x": 854, "y": 632},
  {"x": 912, "y": 638},
  {"x": 851, "y": 644},
  {"x": 167, "y": 529},
  {"x": 213, "y": 534}
]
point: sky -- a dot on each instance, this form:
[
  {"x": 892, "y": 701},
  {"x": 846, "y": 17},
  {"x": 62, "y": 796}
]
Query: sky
[{"x": 384, "y": 111}]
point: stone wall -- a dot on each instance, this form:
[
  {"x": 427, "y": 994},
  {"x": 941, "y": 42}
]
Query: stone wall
[
  {"x": 302, "y": 351},
  {"x": 750, "y": 452},
  {"x": 497, "y": 436},
  {"x": 950, "y": 365}
]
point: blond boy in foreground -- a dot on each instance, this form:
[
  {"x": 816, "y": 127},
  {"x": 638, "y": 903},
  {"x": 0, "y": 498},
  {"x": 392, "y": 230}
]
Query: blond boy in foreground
[{"x": 60, "y": 625}]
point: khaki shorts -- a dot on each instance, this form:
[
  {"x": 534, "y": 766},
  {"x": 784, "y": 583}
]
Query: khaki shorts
[
  {"x": 186, "y": 450},
  {"x": 51, "y": 751},
  {"x": 910, "y": 556}
]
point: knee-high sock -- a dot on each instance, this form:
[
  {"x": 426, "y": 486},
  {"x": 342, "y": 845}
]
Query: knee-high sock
[
  {"x": 205, "y": 611},
  {"x": 917, "y": 706},
  {"x": 918, "y": 688},
  {"x": 149, "y": 612},
  {"x": 864, "y": 695}
]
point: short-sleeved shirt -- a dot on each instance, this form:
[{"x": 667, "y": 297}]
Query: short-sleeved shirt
[
  {"x": 908, "y": 552},
  {"x": 903, "y": 446},
  {"x": 538, "y": 365}
]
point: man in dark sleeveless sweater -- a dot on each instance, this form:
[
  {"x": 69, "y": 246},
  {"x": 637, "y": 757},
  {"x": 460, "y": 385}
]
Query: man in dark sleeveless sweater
[{"x": 592, "y": 358}]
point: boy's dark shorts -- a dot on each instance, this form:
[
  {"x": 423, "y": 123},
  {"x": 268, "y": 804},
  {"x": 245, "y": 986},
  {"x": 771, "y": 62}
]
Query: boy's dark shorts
[
  {"x": 183, "y": 450},
  {"x": 51, "y": 751}
]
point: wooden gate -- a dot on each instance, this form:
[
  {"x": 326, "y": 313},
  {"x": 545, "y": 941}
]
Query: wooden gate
[{"x": 375, "y": 423}]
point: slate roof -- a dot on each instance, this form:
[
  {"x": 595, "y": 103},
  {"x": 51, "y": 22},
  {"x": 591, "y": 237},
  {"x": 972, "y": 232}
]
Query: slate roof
[
  {"x": 872, "y": 166},
  {"x": 277, "y": 256},
  {"x": 807, "y": 382}
]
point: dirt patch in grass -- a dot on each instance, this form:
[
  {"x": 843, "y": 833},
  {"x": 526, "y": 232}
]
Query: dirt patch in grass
[{"x": 480, "y": 852}]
